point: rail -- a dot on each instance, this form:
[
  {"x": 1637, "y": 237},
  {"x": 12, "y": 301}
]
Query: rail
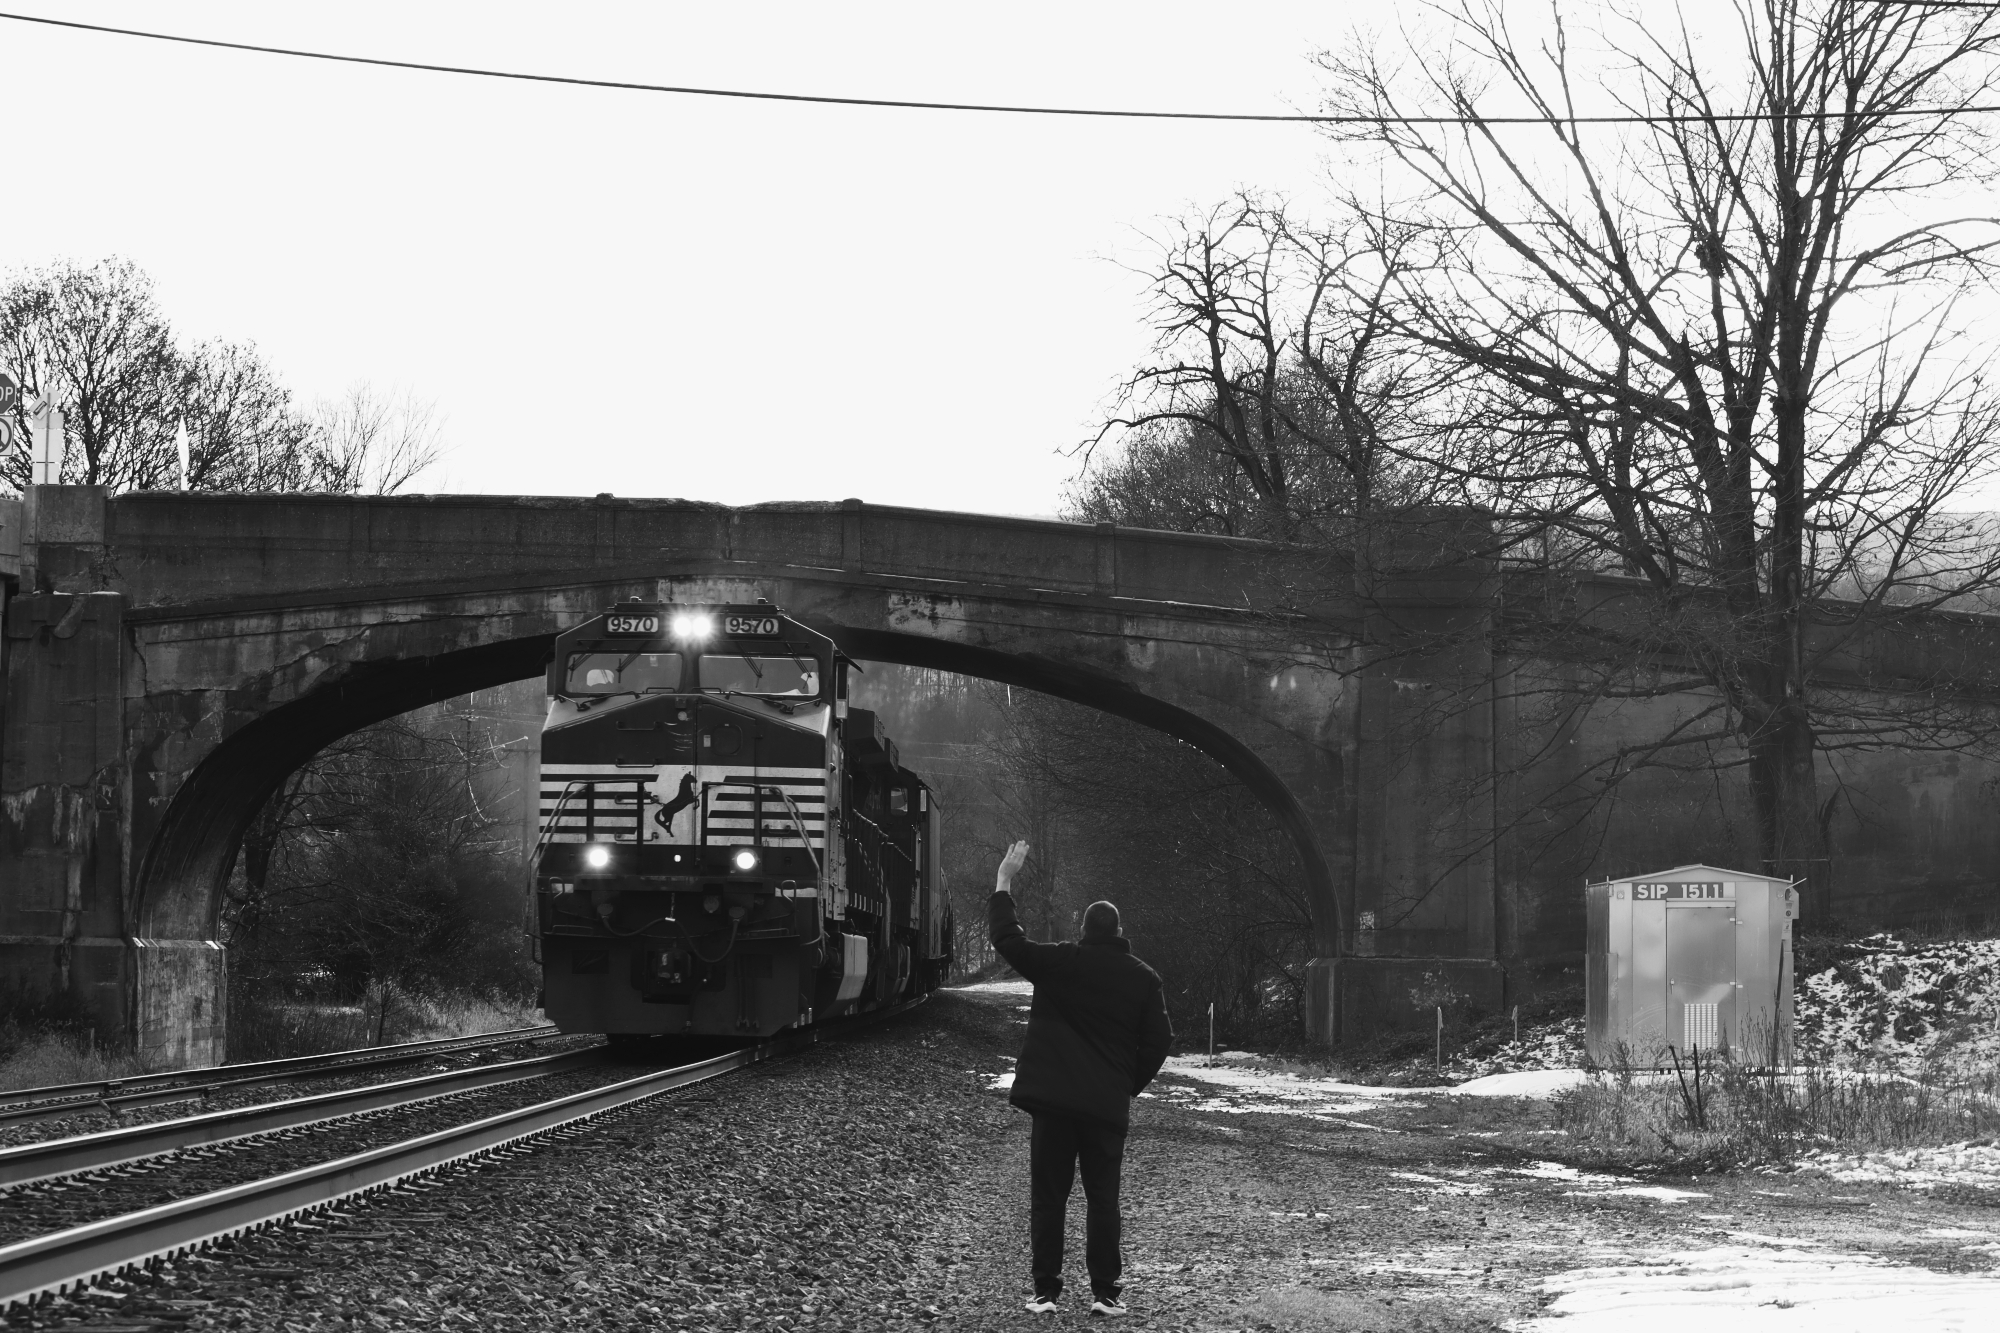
[
  {"x": 114, "y": 1147},
  {"x": 70, "y": 1258},
  {"x": 177, "y": 1084}
]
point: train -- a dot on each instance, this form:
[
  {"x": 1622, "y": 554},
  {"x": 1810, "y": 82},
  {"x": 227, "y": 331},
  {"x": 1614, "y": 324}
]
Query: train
[{"x": 727, "y": 848}]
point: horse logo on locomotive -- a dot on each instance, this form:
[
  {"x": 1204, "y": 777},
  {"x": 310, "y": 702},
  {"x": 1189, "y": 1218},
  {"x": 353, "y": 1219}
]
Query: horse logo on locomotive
[{"x": 727, "y": 847}]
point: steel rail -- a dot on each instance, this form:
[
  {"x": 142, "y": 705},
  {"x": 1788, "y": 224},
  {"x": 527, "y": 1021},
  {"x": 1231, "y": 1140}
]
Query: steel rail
[
  {"x": 173, "y": 1085},
  {"x": 64, "y": 1259},
  {"x": 28, "y": 1162}
]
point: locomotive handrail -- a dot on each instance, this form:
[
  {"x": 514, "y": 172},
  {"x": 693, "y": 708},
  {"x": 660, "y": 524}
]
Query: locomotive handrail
[
  {"x": 868, "y": 840},
  {"x": 757, "y": 813},
  {"x": 798, "y": 822},
  {"x": 569, "y": 790}
]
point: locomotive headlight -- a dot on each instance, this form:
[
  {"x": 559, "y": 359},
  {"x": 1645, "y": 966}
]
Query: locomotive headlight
[
  {"x": 597, "y": 856},
  {"x": 745, "y": 859},
  {"x": 692, "y": 627}
]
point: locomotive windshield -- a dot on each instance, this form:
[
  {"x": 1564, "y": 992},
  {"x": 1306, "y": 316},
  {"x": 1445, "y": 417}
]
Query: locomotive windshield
[
  {"x": 622, "y": 673},
  {"x": 756, "y": 673}
]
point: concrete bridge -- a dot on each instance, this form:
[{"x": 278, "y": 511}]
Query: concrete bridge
[{"x": 170, "y": 657}]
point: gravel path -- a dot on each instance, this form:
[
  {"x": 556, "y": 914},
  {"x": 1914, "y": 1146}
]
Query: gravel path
[{"x": 877, "y": 1182}]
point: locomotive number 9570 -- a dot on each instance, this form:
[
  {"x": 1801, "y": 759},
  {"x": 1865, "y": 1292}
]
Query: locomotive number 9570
[
  {"x": 750, "y": 627},
  {"x": 632, "y": 625}
]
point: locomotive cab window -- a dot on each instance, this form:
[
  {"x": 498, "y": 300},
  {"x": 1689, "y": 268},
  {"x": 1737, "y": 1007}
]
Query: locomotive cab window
[
  {"x": 622, "y": 673},
  {"x": 758, "y": 673}
]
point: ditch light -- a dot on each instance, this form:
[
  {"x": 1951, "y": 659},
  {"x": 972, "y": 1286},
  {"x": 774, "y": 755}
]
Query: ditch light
[{"x": 597, "y": 856}]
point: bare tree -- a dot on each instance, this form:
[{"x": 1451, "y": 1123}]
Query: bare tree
[
  {"x": 377, "y": 865},
  {"x": 1719, "y": 348},
  {"x": 1275, "y": 355},
  {"x": 94, "y": 340},
  {"x": 370, "y": 442},
  {"x": 243, "y": 434},
  {"x": 1199, "y": 867}
]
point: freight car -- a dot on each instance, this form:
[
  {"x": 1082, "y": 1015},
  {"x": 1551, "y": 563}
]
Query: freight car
[{"x": 726, "y": 846}]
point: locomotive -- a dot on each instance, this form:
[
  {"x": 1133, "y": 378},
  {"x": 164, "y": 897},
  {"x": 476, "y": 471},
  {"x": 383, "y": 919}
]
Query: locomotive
[{"x": 726, "y": 846}]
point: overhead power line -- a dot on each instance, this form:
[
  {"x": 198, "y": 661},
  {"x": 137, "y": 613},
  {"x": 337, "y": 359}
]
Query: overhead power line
[{"x": 996, "y": 108}]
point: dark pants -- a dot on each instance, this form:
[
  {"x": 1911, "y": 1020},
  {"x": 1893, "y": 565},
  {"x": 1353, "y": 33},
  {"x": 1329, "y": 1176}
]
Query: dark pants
[{"x": 1059, "y": 1146}]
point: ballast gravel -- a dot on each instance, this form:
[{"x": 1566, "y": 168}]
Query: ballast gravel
[
  {"x": 878, "y": 1182},
  {"x": 801, "y": 1192}
]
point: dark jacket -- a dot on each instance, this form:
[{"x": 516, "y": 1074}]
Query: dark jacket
[{"x": 1098, "y": 1030}]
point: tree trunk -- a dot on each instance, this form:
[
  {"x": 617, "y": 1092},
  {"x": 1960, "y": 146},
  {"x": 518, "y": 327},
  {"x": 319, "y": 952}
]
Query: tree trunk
[{"x": 1785, "y": 786}]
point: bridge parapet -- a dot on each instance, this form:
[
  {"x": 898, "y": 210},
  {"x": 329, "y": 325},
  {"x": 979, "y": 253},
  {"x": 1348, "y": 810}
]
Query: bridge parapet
[{"x": 179, "y": 549}]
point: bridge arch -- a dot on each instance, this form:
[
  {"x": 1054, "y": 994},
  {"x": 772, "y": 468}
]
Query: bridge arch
[
  {"x": 1066, "y": 681},
  {"x": 184, "y": 871}
]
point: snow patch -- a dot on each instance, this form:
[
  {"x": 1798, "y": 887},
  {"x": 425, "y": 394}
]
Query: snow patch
[
  {"x": 1247, "y": 1088},
  {"x": 1522, "y": 1083},
  {"x": 1016, "y": 986},
  {"x": 1738, "y": 1289},
  {"x": 1976, "y": 1164},
  {"x": 1658, "y": 1193},
  {"x": 1887, "y": 1000},
  {"x": 1436, "y": 1186},
  {"x": 1556, "y": 1171},
  {"x": 1553, "y": 1045}
]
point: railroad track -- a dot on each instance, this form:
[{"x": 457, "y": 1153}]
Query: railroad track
[
  {"x": 54, "y": 1158},
  {"x": 187, "y": 1084},
  {"x": 76, "y": 1255}
]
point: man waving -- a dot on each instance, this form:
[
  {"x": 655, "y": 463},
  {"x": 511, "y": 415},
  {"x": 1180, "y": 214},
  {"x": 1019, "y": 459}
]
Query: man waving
[{"x": 1097, "y": 1034}]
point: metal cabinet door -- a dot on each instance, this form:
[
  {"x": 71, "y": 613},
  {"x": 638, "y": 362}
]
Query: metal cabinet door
[
  {"x": 1701, "y": 975},
  {"x": 1646, "y": 976}
]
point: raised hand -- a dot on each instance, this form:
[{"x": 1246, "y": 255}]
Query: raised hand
[{"x": 1011, "y": 862}]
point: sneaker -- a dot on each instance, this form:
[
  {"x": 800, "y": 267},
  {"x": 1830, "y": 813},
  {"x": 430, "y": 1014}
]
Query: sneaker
[
  {"x": 1041, "y": 1303},
  {"x": 1109, "y": 1306}
]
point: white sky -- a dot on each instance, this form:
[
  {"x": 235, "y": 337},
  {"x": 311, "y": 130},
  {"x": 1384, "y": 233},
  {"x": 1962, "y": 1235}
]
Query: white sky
[
  {"x": 671, "y": 296},
  {"x": 654, "y": 295}
]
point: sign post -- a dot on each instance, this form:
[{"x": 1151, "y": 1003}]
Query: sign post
[
  {"x": 49, "y": 444},
  {"x": 10, "y": 403}
]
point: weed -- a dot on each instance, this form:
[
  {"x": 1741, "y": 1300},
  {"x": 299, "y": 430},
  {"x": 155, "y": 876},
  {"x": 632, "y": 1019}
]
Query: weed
[
  {"x": 1715, "y": 1112},
  {"x": 50, "y": 1058},
  {"x": 271, "y": 1022}
]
